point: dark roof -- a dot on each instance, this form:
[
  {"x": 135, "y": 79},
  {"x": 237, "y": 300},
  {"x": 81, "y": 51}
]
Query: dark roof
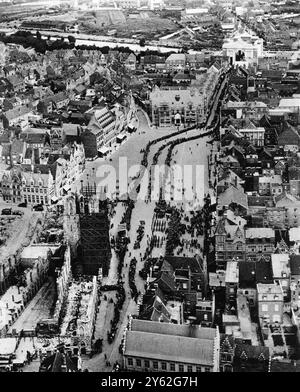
[
  {"x": 28, "y": 153},
  {"x": 265, "y": 122},
  {"x": 166, "y": 282},
  {"x": 43, "y": 169},
  {"x": 247, "y": 275},
  {"x": 285, "y": 366},
  {"x": 264, "y": 272},
  {"x": 261, "y": 201},
  {"x": 57, "y": 363},
  {"x": 33, "y": 138},
  {"x": 183, "y": 263},
  {"x": 247, "y": 351},
  {"x": 253, "y": 272},
  {"x": 295, "y": 264}
]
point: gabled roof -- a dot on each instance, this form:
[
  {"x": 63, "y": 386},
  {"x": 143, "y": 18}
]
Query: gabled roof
[
  {"x": 265, "y": 122},
  {"x": 233, "y": 195},
  {"x": 249, "y": 352},
  {"x": 171, "y": 342},
  {"x": 166, "y": 281},
  {"x": 289, "y": 136},
  {"x": 183, "y": 263}
]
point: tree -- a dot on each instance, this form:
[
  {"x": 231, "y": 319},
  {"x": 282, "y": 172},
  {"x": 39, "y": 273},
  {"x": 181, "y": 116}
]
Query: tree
[
  {"x": 71, "y": 39},
  {"x": 38, "y": 35}
]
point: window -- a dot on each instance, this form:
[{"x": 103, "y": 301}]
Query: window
[
  {"x": 276, "y": 308},
  {"x": 172, "y": 367},
  {"x": 164, "y": 366},
  {"x": 264, "y": 308},
  {"x": 138, "y": 363},
  {"x": 198, "y": 368},
  {"x": 205, "y": 317},
  {"x": 190, "y": 368},
  {"x": 155, "y": 365},
  {"x": 146, "y": 363},
  {"x": 181, "y": 368},
  {"x": 130, "y": 362},
  {"x": 207, "y": 369}
]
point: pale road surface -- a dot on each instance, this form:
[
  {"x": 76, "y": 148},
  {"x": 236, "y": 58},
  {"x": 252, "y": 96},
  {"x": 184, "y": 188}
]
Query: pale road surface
[
  {"x": 194, "y": 152},
  {"x": 21, "y": 231},
  {"x": 188, "y": 153}
]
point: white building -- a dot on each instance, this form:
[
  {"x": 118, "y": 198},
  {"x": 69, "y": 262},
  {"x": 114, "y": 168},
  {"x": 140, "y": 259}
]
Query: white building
[
  {"x": 243, "y": 49},
  {"x": 290, "y": 104}
]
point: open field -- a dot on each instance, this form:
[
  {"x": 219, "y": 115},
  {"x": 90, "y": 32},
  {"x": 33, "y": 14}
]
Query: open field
[{"x": 144, "y": 23}]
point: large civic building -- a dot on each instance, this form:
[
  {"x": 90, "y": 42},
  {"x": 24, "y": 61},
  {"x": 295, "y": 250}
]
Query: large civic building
[
  {"x": 243, "y": 49},
  {"x": 175, "y": 106},
  {"x": 157, "y": 346}
]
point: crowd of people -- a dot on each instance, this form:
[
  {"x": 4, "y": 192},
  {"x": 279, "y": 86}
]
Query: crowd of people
[{"x": 131, "y": 278}]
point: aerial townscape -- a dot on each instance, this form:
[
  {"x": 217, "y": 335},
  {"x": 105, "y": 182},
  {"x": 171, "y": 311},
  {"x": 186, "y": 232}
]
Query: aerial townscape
[{"x": 150, "y": 186}]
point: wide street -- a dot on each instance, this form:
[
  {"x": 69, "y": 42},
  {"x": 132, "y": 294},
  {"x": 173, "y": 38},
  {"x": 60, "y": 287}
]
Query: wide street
[{"x": 194, "y": 152}]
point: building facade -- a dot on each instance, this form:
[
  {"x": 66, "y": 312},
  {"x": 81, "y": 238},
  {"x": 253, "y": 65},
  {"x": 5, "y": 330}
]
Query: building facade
[
  {"x": 156, "y": 346},
  {"x": 270, "y": 303},
  {"x": 175, "y": 106}
]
